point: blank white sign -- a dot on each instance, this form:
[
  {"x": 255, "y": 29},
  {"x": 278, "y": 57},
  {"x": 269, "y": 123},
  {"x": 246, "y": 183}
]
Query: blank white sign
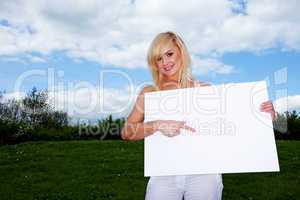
[{"x": 232, "y": 134}]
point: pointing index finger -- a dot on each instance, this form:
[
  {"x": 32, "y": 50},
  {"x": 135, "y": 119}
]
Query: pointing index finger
[{"x": 188, "y": 128}]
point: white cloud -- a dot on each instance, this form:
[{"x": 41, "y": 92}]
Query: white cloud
[
  {"x": 88, "y": 102},
  {"x": 208, "y": 65},
  {"x": 25, "y": 59},
  {"x": 94, "y": 102},
  {"x": 288, "y": 103},
  {"x": 13, "y": 95},
  {"x": 13, "y": 59},
  {"x": 35, "y": 59},
  {"x": 118, "y": 33}
]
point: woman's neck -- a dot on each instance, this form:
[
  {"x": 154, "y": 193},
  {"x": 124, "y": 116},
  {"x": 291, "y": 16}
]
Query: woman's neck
[
  {"x": 174, "y": 78},
  {"x": 173, "y": 83}
]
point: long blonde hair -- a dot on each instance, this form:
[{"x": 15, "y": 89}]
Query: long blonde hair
[{"x": 154, "y": 52}]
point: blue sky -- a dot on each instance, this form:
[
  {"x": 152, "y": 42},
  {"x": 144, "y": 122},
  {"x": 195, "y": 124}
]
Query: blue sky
[
  {"x": 248, "y": 67},
  {"x": 229, "y": 41}
]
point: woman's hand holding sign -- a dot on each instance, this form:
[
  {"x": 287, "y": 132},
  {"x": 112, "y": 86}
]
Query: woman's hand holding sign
[{"x": 268, "y": 107}]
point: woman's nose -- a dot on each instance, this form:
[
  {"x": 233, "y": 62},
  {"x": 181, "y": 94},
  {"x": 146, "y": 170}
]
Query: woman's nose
[{"x": 164, "y": 61}]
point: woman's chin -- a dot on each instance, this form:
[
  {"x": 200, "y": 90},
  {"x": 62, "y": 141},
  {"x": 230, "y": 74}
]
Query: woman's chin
[{"x": 170, "y": 73}]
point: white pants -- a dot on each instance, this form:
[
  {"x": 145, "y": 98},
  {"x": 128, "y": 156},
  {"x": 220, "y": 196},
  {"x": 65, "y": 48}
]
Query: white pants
[{"x": 191, "y": 187}]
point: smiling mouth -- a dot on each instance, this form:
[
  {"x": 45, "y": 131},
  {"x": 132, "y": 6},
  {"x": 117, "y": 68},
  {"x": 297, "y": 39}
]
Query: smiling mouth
[{"x": 168, "y": 68}]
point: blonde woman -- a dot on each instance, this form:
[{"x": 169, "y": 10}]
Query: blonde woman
[{"x": 169, "y": 62}]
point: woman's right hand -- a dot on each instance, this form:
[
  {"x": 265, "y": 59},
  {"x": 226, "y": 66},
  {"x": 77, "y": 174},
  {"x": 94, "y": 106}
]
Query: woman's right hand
[{"x": 171, "y": 128}]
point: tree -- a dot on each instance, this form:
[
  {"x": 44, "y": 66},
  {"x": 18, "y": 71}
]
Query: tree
[
  {"x": 293, "y": 122},
  {"x": 10, "y": 110},
  {"x": 287, "y": 125},
  {"x": 35, "y": 105}
]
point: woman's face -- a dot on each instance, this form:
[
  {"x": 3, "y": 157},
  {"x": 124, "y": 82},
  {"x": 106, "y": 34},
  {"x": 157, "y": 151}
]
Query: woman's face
[{"x": 169, "y": 60}]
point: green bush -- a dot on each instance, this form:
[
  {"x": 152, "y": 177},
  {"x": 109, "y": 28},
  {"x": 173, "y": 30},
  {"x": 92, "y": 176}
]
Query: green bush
[{"x": 287, "y": 126}]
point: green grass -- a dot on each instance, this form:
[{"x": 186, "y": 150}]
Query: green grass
[{"x": 114, "y": 170}]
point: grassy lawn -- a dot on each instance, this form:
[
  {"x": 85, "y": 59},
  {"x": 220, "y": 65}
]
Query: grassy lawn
[{"x": 114, "y": 170}]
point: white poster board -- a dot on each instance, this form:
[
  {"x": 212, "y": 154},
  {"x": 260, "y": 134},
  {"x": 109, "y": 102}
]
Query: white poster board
[{"x": 232, "y": 134}]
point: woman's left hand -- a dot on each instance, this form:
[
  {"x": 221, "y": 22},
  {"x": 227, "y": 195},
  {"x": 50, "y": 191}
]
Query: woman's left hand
[{"x": 268, "y": 107}]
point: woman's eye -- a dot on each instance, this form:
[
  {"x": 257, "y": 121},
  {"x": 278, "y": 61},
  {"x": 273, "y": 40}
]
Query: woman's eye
[
  {"x": 170, "y": 54},
  {"x": 159, "y": 59}
]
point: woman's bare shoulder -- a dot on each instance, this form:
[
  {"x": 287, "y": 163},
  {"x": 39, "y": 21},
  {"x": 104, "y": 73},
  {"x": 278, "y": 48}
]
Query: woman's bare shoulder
[
  {"x": 148, "y": 88},
  {"x": 201, "y": 83}
]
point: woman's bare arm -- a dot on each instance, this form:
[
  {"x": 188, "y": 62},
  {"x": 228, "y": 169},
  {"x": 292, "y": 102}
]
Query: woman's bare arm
[
  {"x": 201, "y": 84},
  {"x": 135, "y": 128}
]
